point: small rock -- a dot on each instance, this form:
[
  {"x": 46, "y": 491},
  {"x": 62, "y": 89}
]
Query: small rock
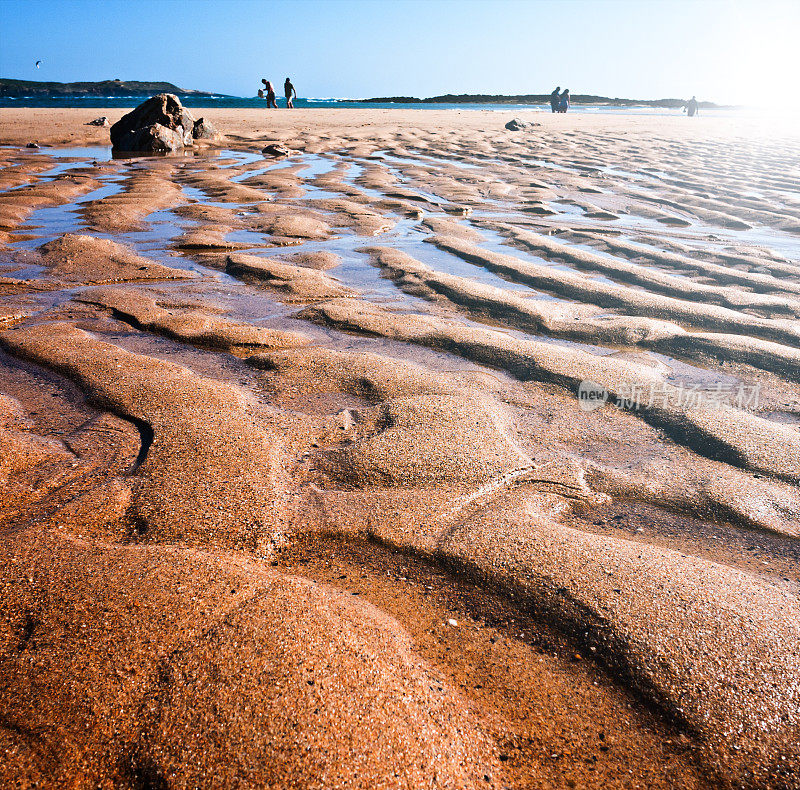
[
  {"x": 204, "y": 130},
  {"x": 346, "y": 420},
  {"x": 275, "y": 149},
  {"x": 516, "y": 125}
]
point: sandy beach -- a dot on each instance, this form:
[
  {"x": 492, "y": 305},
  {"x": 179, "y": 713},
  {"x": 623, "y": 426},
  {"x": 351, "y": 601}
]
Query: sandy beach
[{"x": 434, "y": 454}]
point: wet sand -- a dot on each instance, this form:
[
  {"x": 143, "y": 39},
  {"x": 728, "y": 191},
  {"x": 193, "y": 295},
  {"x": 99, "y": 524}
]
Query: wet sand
[{"x": 298, "y": 489}]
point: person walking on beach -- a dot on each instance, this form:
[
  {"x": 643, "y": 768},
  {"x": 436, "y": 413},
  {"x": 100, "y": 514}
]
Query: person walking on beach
[
  {"x": 563, "y": 101},
  {"x": 268, "y": 93},
  {"x": 289, "y": 92},
  {"x": 692, "y": 107},
  {"x": 554, "y": 97}
]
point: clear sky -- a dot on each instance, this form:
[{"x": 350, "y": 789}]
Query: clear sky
[{"x": 730, "y": 51}]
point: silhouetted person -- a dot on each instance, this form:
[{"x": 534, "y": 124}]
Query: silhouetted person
[
  {"x": 289, "y": 92},
  {"x": 692, "y": 107},
  {"x": 554, "y": 97},
  {"x": 563, "y": 101},
  {"x": 268, "y": 93}
]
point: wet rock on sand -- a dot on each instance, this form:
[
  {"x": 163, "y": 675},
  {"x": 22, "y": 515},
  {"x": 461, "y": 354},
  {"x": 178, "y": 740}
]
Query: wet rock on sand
[
  {"x": 276, "y": 150},
  {"x": 515, "y": 125},
  {"x": 154, "y": 138},
  {"x": 204, "y": 130},
  {"x": 159, "y": 124}
]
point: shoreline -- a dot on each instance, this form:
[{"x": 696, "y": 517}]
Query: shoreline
[{"x": 66, "y": 126}]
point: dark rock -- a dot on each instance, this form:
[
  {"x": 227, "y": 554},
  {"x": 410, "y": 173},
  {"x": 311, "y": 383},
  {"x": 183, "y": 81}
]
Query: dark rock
[
  {"x": 137, "y": 131},
  {"x": 275, "y": 149},
  {"x": 516, "y": 125},
  {"x": 204, "y": 130},
  {"x": 101, "y": 121},
  {"x": 154, "y": 138}
]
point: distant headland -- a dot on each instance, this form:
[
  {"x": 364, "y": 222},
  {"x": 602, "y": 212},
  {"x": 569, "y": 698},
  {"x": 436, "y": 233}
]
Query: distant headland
[
  {"x": 18, "y": 88},
  {"x": 58, "y": 92},
  {"x": 532, "y": 99}
]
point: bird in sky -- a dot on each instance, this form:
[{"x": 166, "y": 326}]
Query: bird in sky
[{"x": 38, "y": 63}]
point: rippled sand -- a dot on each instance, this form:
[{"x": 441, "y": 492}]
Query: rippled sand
[{"x": 301, "y": 487}]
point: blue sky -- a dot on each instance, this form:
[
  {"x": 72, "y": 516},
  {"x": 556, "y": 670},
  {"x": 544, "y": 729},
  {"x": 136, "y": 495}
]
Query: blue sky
[{"x": 739, "y": 51}]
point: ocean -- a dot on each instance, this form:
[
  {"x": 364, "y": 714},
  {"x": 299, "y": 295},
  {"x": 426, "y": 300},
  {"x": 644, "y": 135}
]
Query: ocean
[{"x": 237, "y": 102}]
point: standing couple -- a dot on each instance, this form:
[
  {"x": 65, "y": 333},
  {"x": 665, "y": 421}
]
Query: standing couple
[
  {"x": 268, "y": 93},
  {"x": 559, "y": 102}
]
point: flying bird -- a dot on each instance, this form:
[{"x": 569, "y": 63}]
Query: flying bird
[{"x": 38, "y": 63}]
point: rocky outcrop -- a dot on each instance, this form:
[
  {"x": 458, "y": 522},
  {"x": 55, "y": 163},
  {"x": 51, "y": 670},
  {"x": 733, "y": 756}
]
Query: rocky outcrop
[
  {"x": 159, "y": 124},
  {"x": 127, "y": 88},
  {"x": 155, "y": 138}
]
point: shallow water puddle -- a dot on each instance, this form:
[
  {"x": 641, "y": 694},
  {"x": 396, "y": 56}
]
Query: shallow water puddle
[
  {"x": 424, "y": 158},
  {"x": 497, "y": 242},
  {"x": 357, "y": 270},
  {"x": 50, "y": 222}
]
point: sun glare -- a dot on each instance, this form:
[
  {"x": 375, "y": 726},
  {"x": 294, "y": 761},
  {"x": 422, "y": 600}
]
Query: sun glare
[{"x": 754, "y": 54}]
